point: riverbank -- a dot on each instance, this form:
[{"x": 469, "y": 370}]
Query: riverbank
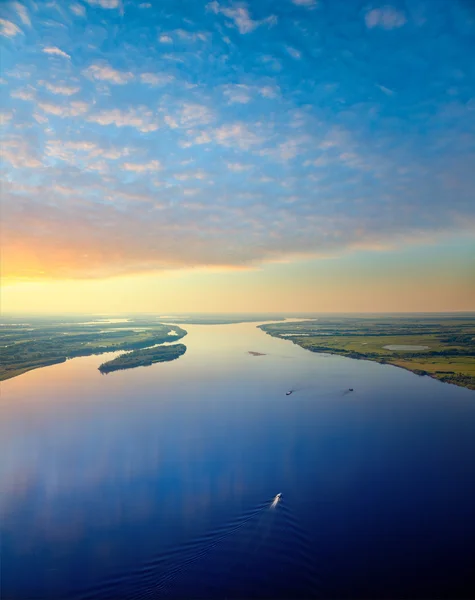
[
  {"x": 25, "y": 347},
  {"x": 441, "y": 348}
]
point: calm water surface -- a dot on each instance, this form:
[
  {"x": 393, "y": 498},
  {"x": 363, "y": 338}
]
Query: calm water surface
[{"x": 158, "y": 482}]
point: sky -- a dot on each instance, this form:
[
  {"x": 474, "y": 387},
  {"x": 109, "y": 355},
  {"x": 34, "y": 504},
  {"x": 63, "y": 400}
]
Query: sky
[{"x": 286, "y": 155}]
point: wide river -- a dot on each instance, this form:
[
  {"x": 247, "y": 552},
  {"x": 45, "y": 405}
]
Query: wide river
[{"x": 158, "y": 482}]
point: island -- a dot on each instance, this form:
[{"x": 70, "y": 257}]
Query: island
[
  {"x": 143, "y": 358},
  {"x": 32, "y": 343},
  {"x": 440, "y": 346}
]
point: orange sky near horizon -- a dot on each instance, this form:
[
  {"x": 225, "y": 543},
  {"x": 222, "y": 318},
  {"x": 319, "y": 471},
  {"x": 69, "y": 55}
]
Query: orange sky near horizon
[{"x": 426, "y": 278}]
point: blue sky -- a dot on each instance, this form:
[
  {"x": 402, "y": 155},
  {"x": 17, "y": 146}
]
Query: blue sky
[{"x": 142, "y": 136}]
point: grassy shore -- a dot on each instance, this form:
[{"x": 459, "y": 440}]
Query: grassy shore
[
  {"x": 28, "y": 346},
  {"x": 143, "y": 358},
  {"x": 440, "y": 347}
]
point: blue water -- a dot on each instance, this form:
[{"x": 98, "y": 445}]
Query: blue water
[{"x": 158, "y": 482}]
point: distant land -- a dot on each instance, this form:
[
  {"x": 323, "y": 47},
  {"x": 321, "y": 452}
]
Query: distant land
[
  {"x": 40, "y": 342},
  {"x": 442, "y": 347},
  {"x": 143, "y": 358}
]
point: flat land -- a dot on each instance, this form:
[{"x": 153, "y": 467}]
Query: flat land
[
  {"x": 143, "y": 358},
  {"x": 448, "y": 342},
  {"x": 41, "y": 342}
]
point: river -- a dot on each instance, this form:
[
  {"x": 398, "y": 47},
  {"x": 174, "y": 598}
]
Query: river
[{"x": 160, "y": 482}]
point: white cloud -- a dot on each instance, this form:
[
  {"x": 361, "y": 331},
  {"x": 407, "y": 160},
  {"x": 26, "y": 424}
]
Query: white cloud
[
  {"x": 74, "y": 109},
  {"x": 165, "y": 39},
  {"x": 286, "y": 150},
  {"x": 27, "y": 93},
  {"x": 385, "y": 90},
  {"x": 40, "y": 118},
  {"x": 22, "y": 12},
  {"x": 237, "y": 93},
  {"x": 238, "y": 167},
  {"x": 386, "y": 17},
  {"x": 102, "y": 71},
  {"x": 145, "y": 5},
  {"x": 236, "y": 134},
  {"x": 306, "y": 3},
  {"x": 153, "y": 165},
  {"x": 54, "y": 51},
  {"x": 190, "y": 115},
  {"x": 78, "y": 9},
  {"x": 203, "y": 138},
  {"x": 67, "y": 151},
  {"x": 72, "y": 152},
  {"x": 8, "y": 29},
  {"x": 62, "y": 89},
  {"x": 109, "y": 4},
  {"x": 18, "y": 153},
  {"x": 191, "y": 36},
  {"x": 141, "y": 118},
  {"x": 154, "y": 79},
  {"x": 198, "y": 174},
  {"x": 239, "y": 14},
  {"x": 171, "y": 122},
  {"x": 294, "y": 53},
  {"x": 269, "y": 91},
  {"x": 190, "y": 191},
  {"x": 5, "y": 117}
]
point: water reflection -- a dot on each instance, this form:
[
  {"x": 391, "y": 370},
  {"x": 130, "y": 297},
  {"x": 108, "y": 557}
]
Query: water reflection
[{"x": 134, "y": 473}]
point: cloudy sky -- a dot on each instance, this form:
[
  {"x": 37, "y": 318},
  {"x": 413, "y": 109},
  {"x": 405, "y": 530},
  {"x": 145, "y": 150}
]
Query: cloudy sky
[{"x": 269, "y": 155}]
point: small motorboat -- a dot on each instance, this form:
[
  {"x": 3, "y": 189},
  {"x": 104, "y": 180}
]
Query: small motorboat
[
  {"x": 350, "y": 389},
  {"x": 289, "y": 392},
  {"x": 276, "y": 500}
]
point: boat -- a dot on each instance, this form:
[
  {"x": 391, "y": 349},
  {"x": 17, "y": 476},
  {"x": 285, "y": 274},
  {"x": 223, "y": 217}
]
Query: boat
[
  {"x": 350, "y": 389},
  {"x": 289, "y": 392}
]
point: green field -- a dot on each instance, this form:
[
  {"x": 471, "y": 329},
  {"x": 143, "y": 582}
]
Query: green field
[
  {"x": 143, "y": 358},
  {"x": 40, "y": 343},
  {"x": 446, "y": 345}
]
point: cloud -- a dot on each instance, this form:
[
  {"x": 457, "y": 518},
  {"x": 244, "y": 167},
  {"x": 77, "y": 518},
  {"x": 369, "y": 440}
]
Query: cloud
[
  {"x": 153, "y": 165},
  {"x": 26, "y": 94},
  {"x": 203, "y": 138},
  {"x": 294, "y": 53},
  {"x": 62, "y": 89},
  {"x": 77, "y": 152},
  {"x": 5, "y": 117},
  {"x": 238, "y": 167},
  {"x": 191, "y": 36},
  {"x": 239, "y": 14},
  {"x": 189, "y": 115},
  {"x": 9, "y": 29},
  {"x": 198, "y": 174},
  {"x": 78, "y": 9},
  {"x": 22, "y": 12},
  {"x": 107, "y": 4},
  {"x": 102, "y": 71},
  {"x": 54, "y": 51},
  {"x": 73, "y": 109},
  {"x": 165, "y": 39},
  {"x": 237, "y": 93},
  {"x": 140, "y": 118},
  {"x": 19, "y": 154},
  {"x": 288, "y": 149},
  {"x": 269, "y": 91},
  {"x": 386, "y": 17},
  {"x": 236, "y": 134},
  {"x": 305, "y": 3},
  {"x": 156, "y": 79}
]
